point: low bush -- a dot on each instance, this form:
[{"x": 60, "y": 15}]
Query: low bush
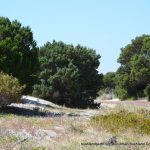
[
  {"x": 10, "y": 89},
  {"x": 123, "y": 121},
  {"x": 122, "y": 94}
]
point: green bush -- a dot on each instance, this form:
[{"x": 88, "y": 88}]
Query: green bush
[
  {"x": 121, "y": 93},
  {"x": 10, "y": 89},
  {"x": 124, "y": 121},
  {"x": 147, "y": 91}
]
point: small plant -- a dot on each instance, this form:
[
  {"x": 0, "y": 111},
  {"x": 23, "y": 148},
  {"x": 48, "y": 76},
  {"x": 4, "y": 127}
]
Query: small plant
[{"x": 10, "y": 89}]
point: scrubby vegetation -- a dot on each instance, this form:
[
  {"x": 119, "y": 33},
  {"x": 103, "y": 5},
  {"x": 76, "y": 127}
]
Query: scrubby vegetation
[
  {"x": 67, "y": 132},
  {"x": 8, "y": 139},
  {"x": 124, "y": 121},
  {"x": 10, "y": 89}
]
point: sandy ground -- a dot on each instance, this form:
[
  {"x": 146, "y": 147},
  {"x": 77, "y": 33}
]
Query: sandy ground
[
  {"x": 112, "y": 103},
  {"x": 30, "y": 125}
]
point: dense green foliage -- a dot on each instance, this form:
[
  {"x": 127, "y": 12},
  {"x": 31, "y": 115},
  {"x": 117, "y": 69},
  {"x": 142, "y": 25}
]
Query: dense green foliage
[
  {"x": 10, "y": 89},
  {"x": 147, "y": 92},
  {"x": 108, "y": 86},
  {"x": 133, "y": 75},
  {"x": 68, "y": 74},
  {"x": 109, "y": 82},
  {"x": 18, "y": 51}
]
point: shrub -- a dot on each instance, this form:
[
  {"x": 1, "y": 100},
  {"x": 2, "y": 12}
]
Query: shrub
[
  {"x": 121, "y": 93},
  {"x": 124, "y": 121},
  {"x": 10, "y": 89},
  {"x": 147, "y": 91}
]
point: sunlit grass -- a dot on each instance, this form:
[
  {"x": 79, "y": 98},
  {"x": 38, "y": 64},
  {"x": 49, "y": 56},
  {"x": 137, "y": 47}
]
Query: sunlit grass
[
  {"x": 122, "y": 121},
  {"x": 8, "y": 139}
]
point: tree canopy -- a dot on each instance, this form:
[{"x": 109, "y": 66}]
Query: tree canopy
[
  {"x": 109, "y": 80},
  {"x": 68, "y": 74},
  {"x": 133, "y": 75},
  {"x": 18, "y": 51}
]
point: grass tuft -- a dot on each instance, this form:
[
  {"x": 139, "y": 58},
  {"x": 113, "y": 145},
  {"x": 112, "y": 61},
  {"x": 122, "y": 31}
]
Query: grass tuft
[{"x": 8, "y": 139}]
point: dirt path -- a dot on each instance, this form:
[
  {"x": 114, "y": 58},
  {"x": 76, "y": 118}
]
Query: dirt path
[{"x": 139, "y": 103}]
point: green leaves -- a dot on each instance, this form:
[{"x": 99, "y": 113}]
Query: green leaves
[
  {"x": 18, "y": 51},
  {"x": 134, "y": 73},
  {"x": 70, "y": 72}
]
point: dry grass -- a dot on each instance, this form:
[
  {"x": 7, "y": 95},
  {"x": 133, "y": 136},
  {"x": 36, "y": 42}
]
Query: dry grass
[
  {"x": 123, "y": 121},
  {"x": 72, "y": 130}
]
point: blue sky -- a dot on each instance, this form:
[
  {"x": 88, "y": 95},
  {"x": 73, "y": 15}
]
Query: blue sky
[{"x": 104, "y": 25}]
